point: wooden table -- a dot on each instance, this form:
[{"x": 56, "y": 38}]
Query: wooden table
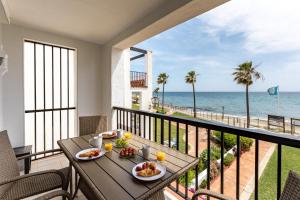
[{"x": 109, "y": 177}]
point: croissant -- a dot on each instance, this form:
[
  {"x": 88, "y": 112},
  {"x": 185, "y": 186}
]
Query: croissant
[
  {"x": 148, "y": 172},
  {"x": 90, "y": 153}
]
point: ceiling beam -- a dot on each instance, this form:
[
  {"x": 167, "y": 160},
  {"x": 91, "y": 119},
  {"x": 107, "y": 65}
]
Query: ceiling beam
[
  {"x": 138, "y": 50},
  {"x": 137, "y": 57}
]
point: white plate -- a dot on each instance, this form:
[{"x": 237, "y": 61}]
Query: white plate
[
  {"x": 109, "y": 134},
  {"x": 151, "y": 178},
  {"x": 102, "y": 152}
]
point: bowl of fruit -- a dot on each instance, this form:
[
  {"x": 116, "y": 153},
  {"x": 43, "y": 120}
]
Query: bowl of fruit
[
  {"x": 121, "y": 143},
  {"x": 128, "y": 152}
]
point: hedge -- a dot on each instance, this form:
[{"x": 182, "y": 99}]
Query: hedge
[
  {"x": 228, "y": 159},
  {"x": 191, "y": 175},
  {"x": 230, "y": 141},
  {"x": 215, "y": 154}
]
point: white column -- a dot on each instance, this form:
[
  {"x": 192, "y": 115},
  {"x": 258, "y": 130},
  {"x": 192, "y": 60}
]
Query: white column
[
  {"x": 120, "y": 81},
  {"x": 147, "y": 93}
]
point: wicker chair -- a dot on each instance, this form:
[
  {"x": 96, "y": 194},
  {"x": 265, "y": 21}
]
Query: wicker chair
[
  {"x": 291, "y": 190},
  {"x": 292, "y": 187},
  {"x": 210, "y": 194},
  {"x": 92, "y": 124},
  {"x": 16, "y": 186}
]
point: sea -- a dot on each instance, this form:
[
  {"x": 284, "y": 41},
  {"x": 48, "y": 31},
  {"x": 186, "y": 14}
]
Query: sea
[{"x": 261, "y": 103}]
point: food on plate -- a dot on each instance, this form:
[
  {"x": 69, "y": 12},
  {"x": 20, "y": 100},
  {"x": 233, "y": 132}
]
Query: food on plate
[
  {"x": 109, "y": 134},
  {"x": 108, "y": 146},
  {"x": 89, "y": 154},
  {"x": 147, "y": 169},
  {"x": 121, "y": 143},
  {"x": 127, "y": 152}
]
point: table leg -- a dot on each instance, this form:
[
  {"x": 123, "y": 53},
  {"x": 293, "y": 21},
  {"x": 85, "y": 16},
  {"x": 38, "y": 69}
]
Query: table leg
[
  {"x": 76, "y": 188},
  {"x": 26, "y": 165},
  {"x": 71, "y": 180}
]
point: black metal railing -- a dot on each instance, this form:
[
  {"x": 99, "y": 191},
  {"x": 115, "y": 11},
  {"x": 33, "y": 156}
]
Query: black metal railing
[
  {"x": 138, "y": 79},
  {"x": 152, "y": 127}
]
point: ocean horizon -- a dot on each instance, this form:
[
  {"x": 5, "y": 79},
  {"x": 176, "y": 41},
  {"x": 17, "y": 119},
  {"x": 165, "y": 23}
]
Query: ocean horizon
[{"x": 261, "y": 103}]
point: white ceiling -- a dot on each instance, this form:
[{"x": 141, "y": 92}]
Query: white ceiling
[{"x": 97, "y": 21}]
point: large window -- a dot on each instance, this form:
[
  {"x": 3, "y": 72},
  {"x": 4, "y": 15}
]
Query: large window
[{"x": 50, "y": 94}]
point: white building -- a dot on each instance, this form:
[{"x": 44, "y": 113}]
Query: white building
[{"x": 141, "y": 81}]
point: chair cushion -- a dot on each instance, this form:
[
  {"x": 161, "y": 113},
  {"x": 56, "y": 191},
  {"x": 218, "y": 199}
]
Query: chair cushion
[
  {"x": 291, "y": 189},
  {"x": 35, "y": 185},
  {"x": 8, "y": 162}
]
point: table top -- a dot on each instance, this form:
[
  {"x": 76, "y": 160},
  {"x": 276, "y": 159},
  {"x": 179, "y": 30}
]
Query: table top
[
  {"x": 110, "y": 176},
  {"x": 22, "y": 151}
]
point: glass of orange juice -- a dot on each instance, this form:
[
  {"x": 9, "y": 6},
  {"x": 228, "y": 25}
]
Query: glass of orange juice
[
  {"x": 160, "y": 156},
  {"x": 127, "y": 135},
  {"x": 108, "y": 146}
]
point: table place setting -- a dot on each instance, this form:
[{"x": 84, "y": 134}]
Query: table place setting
[
  {"x": 119, "y": 158},
  {"x": 148, "y": 170}
]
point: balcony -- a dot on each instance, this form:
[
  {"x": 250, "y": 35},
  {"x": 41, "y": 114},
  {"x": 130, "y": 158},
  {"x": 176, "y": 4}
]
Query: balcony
[
  {"x": 138, "y": 79},
  {"x": 194, "y": 136}
]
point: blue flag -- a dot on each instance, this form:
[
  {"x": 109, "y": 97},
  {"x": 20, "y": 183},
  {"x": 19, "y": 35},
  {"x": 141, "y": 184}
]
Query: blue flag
[{"x": 273, "y": 90}]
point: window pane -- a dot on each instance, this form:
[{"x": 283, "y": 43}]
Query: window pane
[
  {"x": 39, "y": 77},
  {"x": 56, "y": 78},
  {"x": 48, "y": 77},
  {"x": 29, "y": 75}
]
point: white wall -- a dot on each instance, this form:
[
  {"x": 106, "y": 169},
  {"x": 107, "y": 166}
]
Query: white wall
[
  {"x": 120, "y": 81},
  {"x": 1, "y": 89},
  {"x": 89, "y": 71}
]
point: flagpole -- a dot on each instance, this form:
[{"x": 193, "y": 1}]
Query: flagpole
[{"x": 278, "y": 101}]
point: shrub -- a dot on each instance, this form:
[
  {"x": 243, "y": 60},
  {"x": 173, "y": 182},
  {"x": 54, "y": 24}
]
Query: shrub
[
  {"x": 230, "y": 141},
  {"x": 246, "y": 143},
  {"x": 201, "y": 166},
  {"x": 191, "y": 176},
  {"x": 215, "y": 154},
  {"x": 214, "y": 170},
  {"x": 203, "y": 184},
  {"x": 228, "y": 159}
]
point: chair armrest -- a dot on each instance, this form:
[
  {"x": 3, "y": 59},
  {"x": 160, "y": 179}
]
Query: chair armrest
[
  {"x": 58, "y": 193},
  {"x": 210, "y": 194},
  {"x": 19, "y": 178},
  {"x": 38, "y": 153}
]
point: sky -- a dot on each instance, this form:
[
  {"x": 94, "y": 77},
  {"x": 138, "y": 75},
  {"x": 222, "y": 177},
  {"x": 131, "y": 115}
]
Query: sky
[{"x": 267, "y": 32}]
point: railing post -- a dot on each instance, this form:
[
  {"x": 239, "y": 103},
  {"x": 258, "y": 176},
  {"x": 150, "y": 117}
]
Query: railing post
[
  {"x": 238, "y": 168},
  {"x": 256, "y": 169},
  {"x": 222, "y": 162},
  {"x": 162, "y": 131},
  {"x": 278, "y": 171}
]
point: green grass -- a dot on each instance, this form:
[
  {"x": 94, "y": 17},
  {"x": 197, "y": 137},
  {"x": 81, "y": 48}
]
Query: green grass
[
  {"x": 268, "y": 180},
  {"x": 179, "y": 114},
  {"x": 173, "y": 133},
  {"x": 159, "y": 110},
  {"x": 136, "y": 106}
]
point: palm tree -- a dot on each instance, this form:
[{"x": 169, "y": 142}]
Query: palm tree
[
  {"x": 162, "y": 79},
  {"x": 245, "y": 74},
  {"x": 156, "y": 91},
  {"x": 191, "y": 78}
]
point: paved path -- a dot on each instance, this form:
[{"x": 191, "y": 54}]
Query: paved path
[
  {"x": 247, "y": 162},
  {"x": 247, "y": 165}
]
